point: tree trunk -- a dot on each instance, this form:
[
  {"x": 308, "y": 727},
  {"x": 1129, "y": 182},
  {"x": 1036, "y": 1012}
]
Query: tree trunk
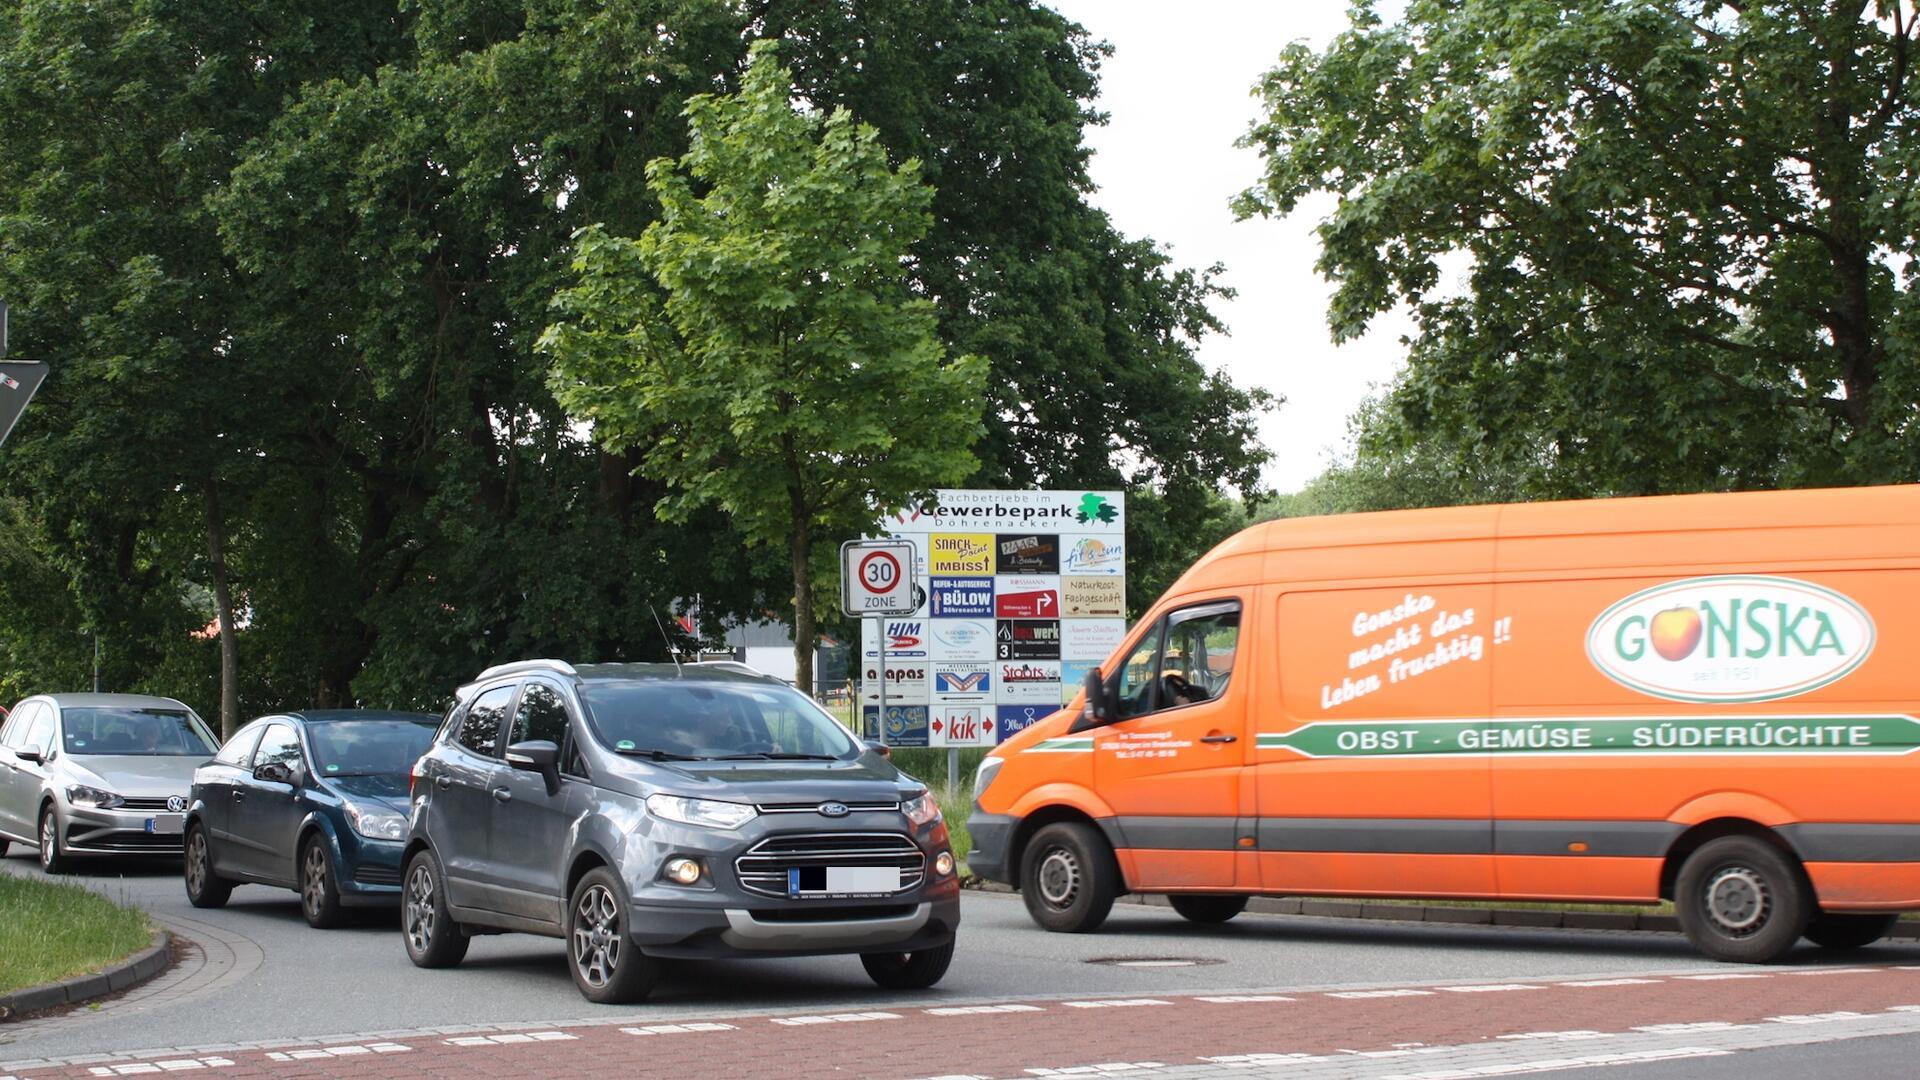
[
  {"x": 801, "y": 547},
  {"x": 223, "y": 601}
]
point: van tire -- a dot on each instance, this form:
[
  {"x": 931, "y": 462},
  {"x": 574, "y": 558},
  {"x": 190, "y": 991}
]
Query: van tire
[
  {"x": 915, "y": 970},
  {"x": 1742, "y": 901},
  {"x": 1068, "y": 878},
  {"x": 1840, "y": 931},
  {"x": 1207, "y": 910}
]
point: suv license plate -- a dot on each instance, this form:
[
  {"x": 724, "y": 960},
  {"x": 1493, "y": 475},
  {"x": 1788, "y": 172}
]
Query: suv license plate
[
  {"x": 165, "y": 824},
  {"x": 843, "y": 881}
]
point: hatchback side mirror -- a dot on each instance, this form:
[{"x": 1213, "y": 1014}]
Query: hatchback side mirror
[
  {"x": 29, "y": 753},
  {"x": 537, "y": 756},
  {"x": 1098, "y": 708},
  {"x": 273, "y": 772}
]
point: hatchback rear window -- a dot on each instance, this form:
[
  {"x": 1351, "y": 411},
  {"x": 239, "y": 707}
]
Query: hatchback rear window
[{"x": 714, "y": 720}]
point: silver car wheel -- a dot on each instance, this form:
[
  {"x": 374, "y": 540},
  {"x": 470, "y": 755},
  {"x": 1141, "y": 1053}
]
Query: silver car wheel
[
  {"x": 49, "y": 840},
  {"x": 596, "y": 936},
  {"x": 420, "y": 903}
]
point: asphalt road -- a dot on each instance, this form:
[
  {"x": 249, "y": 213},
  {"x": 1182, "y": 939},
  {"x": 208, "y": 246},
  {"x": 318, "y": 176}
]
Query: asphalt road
[{"x": 258, "y": 972}]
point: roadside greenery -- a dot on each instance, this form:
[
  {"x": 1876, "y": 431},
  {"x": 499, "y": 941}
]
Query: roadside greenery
[{"x": 51, "y": 931}]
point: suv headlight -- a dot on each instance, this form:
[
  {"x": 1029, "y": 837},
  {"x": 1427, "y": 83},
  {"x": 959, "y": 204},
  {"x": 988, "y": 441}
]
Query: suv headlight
[
  {"x": 376, "y": 823},
  {"x": 921, "y": 809},
  {"x": 92, "y": 798},
  {"x": 989, "y": 768},
  {"x": 708, "y": 812}
]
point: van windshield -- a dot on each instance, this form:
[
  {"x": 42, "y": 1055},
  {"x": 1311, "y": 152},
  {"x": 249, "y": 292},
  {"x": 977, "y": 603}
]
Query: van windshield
[{"x": 709, "y": 720}]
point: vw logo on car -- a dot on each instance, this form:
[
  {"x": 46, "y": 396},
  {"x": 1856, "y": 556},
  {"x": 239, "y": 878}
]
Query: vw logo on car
[{"x": 176, "y": 803}]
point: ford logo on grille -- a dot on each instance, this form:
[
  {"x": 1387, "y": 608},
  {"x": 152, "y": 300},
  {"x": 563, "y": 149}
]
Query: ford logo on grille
[
  {"x": 176, "y": 803},
  {"x": 833, "y": 809}
]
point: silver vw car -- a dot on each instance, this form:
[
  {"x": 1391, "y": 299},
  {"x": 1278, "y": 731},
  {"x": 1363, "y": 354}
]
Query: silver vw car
[{"x": 98, "y": 774}]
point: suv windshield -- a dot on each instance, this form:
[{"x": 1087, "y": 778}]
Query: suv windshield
[
  {"x": 713, "y": 720},
  {"x": 369, "y": 747},
  {"x": 134, "y": 732}
]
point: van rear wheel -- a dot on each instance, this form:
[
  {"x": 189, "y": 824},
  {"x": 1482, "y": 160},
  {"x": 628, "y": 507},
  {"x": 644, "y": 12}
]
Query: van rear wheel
[
  {"x": 1068, "y": 878},
  {"x": 915, "y": 970},
  {"x": 1834, "y": 931},
  {"x": 1741, "y": 900},
  {"x": 1208, "y": 910}
]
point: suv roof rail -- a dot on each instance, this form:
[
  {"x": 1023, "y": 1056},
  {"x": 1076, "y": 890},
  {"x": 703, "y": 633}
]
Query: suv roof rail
[
  {"x": 731, "y": 665},
  {"x": 518, "y": 666}
]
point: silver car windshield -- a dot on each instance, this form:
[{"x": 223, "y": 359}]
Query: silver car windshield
[
  {"x": 124, "y": 732},
  {"x": 714, "y": 720}
]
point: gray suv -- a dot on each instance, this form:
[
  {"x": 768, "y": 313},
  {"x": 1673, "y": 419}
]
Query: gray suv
[{"x": 652, "y": 811}]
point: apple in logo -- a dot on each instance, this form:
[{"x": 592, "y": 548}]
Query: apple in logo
[{"x": 1675, "y": 632}]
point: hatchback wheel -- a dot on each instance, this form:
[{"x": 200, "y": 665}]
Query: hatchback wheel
[
  {"x": 205, "y": 889},
  {"x": 606, "y": 966},
  {"x": 52, "y": 859},
  {"x": 1068, "y": 878},
  {"x": 915, "y": 970},
  {"x": 1740, "y": 899},
  {"x": 433, "y": 939},
  {"x": 319, "y": 893}
]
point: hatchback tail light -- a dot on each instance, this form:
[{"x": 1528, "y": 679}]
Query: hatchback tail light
[{"x": 414, "y": 776}]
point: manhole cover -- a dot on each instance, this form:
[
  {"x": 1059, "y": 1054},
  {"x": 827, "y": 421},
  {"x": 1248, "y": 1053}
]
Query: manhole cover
[{"x": 1154, "y": 961}]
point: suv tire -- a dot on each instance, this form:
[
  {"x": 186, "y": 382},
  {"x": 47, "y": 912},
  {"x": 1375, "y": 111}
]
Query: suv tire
[
  {"x": 1208, "y": 910},
  {"x": 915, "y": 970},
  {"x": 432, "y": 938},
  {"x": 319, "y": 892},
  {"x": 1068, "y": 878},
  {"x": 607, "y": 966},
  {"x": 205, "y": 889},
  {"x": 52, "y": 859},
  {"x": 1742, "y": 901},
  {"x": 1840, "y": 931}
]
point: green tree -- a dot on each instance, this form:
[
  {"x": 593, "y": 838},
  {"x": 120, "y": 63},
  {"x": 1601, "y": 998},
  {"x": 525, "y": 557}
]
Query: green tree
[
  {"x": 784, "y": 371},
  {"x": 1677, "y": 219}
]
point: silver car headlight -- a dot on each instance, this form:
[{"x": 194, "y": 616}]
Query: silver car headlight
[
  {"x": 710, "y": 813},
  {"x": 921, "y": 809},
  {"x": 376, "y": 823},
  {"x": 92, "y": 798}
]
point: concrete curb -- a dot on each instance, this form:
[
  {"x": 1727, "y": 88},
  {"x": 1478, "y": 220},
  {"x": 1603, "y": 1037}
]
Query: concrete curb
[
  {"x": 124, "y": 975},
  {"x": 1460, "y": 916}
]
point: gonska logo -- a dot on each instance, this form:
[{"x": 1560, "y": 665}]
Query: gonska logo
[{"x": 1731, "y": 638}]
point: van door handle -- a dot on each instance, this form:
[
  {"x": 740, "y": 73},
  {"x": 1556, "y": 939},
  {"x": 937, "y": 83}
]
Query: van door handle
[
  {"x": 501, "y": 794},
  {"x": 1219, "y": 738}
]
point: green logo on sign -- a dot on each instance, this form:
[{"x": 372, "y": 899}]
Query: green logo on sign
[
  {"x": 1871, "y": 734},
  {"x": 1096, "y": 508}
]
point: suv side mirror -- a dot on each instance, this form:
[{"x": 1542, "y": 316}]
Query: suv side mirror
[
  {"x": 537, "y": 756},
  {"x": 880, "y": 748},
  {"x": 273, "y": 772},
  {"x": 1099, "y": 708}
]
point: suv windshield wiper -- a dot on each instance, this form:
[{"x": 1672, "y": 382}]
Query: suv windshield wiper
[
  {"x": 658, "y": 755},
  {"x": 777, "y": 757}
]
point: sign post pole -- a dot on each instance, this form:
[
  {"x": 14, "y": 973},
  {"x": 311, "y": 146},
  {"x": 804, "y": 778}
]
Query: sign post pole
[{"x": 881, "y": 725}]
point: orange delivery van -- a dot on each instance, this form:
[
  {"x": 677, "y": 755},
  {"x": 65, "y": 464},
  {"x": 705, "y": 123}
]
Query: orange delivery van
[{"x": 1708, "y": 698}]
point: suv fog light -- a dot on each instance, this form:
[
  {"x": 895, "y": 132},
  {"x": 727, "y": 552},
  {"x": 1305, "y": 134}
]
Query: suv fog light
[
  {"x": 943, "y": 863},
  {"x": 683, "y": 871}
]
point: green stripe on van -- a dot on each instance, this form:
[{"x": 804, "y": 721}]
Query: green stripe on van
[
  {"x": 1070, "y": 744},
  {"x": 1844, "y": 734}
]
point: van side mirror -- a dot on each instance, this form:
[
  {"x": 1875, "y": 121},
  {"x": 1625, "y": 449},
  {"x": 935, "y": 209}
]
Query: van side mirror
[
  {"x": 1098, "y": 708},
  {"x": 537, "y": 756}
]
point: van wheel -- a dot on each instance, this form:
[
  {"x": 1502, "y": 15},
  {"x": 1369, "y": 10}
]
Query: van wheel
[
  {"x": 1740, "y": 900},
  {"x": 1068, "y": 878},
  {"x": 205, "y": 889},
  {"x": 319, "y": 892},
  {"x": 607, "y": 967},
  {"x": 433, "y": 939},
  {"x": 908, "y": 970},
  {"x": 1849, "y": 931},
  {"x": 1208, "y": 910}
]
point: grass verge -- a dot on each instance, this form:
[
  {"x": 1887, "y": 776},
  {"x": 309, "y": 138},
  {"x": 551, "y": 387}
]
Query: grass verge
[{"x": 51, "y": 931}]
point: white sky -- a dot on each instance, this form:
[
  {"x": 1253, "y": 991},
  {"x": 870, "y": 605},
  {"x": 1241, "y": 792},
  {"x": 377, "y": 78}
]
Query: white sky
[{"x": 1178, "y": 93}]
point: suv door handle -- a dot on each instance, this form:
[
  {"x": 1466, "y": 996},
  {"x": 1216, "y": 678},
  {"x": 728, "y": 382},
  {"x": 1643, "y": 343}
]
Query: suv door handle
[
  {"x": 1219, "y": 738},
  {"x": 239, "y": 793},
  {"x": 501, "y": 794}
]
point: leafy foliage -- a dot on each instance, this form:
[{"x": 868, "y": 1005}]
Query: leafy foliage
[{"x": 1678, "y": 220}]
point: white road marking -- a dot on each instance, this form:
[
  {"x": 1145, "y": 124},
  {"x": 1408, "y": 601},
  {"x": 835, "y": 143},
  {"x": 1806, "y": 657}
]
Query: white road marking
[
  {"x": 834, "y": 1018},
  {"x": 977, "y": 1010},
  {"x": 511, "y": 1038},
  {"x": 138, "y": 1068},
  {"x": 1099, "y": 1070},
  {"x": 1254, "y": 1061},
  {"x": 1361, "y": 994},
  {"x": 1630, "y": 1057},
  {"x": 1832, "y": 971},
  {"x": 1610, "y": 982},
  {"x": 676, "y": 1029},
  {"x": 1816, "y": 1018},
  {"x": 1723, "y": 977},
  {"x": 1681, "y": 1029},
  {"x": 351, "y": 1050},
  {"x": 1571, "y": 1036},
  {"x": 1116, "y": 1003},
  {"x": 1243, "y": 999},
  {"x": 1491, "y": 988}
]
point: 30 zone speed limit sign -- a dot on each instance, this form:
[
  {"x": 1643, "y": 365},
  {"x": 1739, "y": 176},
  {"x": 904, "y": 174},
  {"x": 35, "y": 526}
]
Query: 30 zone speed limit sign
[{"x": 876, "y": 577}]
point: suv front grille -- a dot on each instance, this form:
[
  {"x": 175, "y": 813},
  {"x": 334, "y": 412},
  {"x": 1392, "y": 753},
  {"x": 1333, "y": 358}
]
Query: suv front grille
[
  {"x": 763, "y": 869},
  {"x": 814, "y": 807}
]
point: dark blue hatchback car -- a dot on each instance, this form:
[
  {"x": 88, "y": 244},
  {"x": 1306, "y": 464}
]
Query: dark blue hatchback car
[{"x": 313, "y": 801}]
